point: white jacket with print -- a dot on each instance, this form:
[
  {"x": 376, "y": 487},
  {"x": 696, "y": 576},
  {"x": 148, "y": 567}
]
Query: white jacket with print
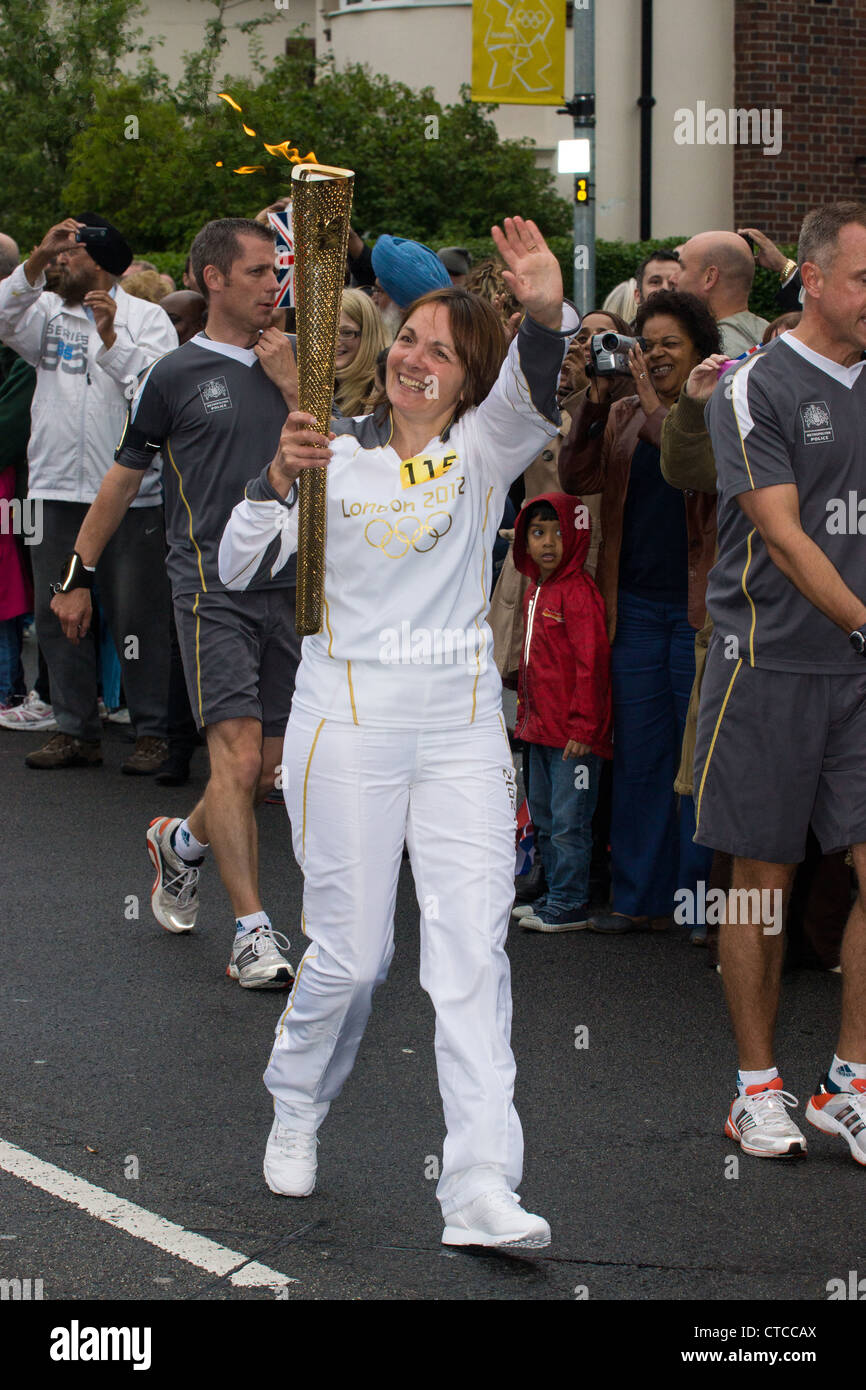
[{"x": 82, "y": 388}]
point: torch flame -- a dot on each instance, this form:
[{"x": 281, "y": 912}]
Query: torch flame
[
  {"x": 290, "y": 153},
  {"x": 287, "y": 150}
]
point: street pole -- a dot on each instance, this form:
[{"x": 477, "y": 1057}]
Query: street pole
[{"x": 581, "y": 108}]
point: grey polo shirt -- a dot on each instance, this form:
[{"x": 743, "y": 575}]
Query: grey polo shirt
[
  {"x": 217, "y": 418},
  {"x": 788, "y": 415}
]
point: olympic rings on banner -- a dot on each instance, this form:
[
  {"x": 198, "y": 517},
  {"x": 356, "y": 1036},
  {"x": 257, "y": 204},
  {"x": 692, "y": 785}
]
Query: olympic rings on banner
[
  {"x": 406, "y": 534},
  {"x": 531, "y": 19}
]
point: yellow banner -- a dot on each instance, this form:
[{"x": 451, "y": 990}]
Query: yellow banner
[{"x": 518, "y": 51}]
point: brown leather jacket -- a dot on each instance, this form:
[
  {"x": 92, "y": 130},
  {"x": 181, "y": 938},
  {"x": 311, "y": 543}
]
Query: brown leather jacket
[{"x": 597, "y": 456}]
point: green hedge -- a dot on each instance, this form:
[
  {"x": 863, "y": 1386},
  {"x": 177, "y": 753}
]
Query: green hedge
[
  {"x": 167, "y": 263},
  {"x": 615, "y": 261}
]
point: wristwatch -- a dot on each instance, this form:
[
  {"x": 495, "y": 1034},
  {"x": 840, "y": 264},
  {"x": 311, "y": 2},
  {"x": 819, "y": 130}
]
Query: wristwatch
[
  {"x": 857, "y": 638},
  {"x": 76, "y": 575}
]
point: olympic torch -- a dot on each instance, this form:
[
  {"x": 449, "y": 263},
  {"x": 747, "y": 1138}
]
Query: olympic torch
[{"x": 321, "y": 203}]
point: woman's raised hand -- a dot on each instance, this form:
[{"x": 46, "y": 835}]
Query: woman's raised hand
[
  {"x": 704, "y": 378},
  {"x": 643, "y": 381},
  {"x": 533, "y": 274},
  {"x": 301, "y": 446}
]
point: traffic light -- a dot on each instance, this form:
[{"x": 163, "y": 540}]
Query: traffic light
[{"x": 581, "y": 191}]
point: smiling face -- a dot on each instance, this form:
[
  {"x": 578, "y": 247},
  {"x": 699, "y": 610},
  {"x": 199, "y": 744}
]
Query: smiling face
[
  {"x": 424, "y": 377},
  {"x": 670, "y": 355}
]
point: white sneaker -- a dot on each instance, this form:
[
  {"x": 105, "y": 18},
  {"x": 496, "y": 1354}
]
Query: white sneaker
[
  {"x": 257, "y": 962},
  {"x": 290, "y": 1161},
  {"x": 841, "y": 1112},
  {"x": 760, "y": 1123},
  {"x": 174, "y": 896},
  {"x": 496, "y": 1218},
  {"x": 30, "y": 716}
]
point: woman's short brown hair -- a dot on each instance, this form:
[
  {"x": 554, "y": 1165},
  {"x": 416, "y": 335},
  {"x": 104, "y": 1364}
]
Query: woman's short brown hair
[{"x": 479, "y": 342}]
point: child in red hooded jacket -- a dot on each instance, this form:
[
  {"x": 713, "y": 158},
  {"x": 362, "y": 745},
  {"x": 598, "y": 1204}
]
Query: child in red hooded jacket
[{"x": 563, "y": 702}]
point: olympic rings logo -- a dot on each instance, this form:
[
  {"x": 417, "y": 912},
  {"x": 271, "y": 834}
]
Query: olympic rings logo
[
  {"x": 530, "y": 19},
  {"x": 395, "y": 541}
]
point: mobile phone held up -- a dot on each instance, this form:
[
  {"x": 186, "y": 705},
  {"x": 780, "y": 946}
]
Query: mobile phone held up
[{"x": 86, "y": 234}]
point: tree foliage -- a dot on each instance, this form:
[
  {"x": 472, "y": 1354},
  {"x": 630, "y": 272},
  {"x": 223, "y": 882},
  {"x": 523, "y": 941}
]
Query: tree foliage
[
  {"x": 52, "y": 59},
  {"x": 436, "y": 173}
]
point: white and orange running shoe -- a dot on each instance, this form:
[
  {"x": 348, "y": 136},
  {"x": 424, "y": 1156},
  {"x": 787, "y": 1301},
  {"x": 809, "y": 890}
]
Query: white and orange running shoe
[
  {"x": 841, "y": 1112},
  {"x": 760, "y": 1124},
  {"x": 174, "y": 896}
]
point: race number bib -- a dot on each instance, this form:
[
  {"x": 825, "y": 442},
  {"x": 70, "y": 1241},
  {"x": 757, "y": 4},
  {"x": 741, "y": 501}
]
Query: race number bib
[{"x": 421, "y": 469}]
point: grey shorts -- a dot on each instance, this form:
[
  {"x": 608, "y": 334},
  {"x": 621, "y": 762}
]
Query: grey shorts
[
  {"x": 240, "y": 654},
  {"x": 777, "y": 751}
]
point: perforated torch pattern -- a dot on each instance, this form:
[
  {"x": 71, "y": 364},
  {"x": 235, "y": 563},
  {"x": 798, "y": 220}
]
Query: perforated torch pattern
[{"x": 320, "y": 209}]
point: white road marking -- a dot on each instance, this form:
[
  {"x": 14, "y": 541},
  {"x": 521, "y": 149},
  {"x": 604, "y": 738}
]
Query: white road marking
[{"x": 136, "y": 1221}]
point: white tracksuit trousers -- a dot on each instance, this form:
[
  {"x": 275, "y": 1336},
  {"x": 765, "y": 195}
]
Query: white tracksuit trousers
[{"x": 353, "y": 794}]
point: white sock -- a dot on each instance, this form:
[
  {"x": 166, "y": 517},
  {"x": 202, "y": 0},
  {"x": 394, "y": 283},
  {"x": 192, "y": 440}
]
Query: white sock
[
  {"x": 251, "y": 922},
  {"x": 843, "y": 1073},
  {"x": 186, "y": 846},
  {"x": 755, "y": 1078}
]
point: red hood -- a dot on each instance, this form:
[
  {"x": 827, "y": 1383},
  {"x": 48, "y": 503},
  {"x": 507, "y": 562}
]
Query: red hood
[{"x": 575, "y": 537}]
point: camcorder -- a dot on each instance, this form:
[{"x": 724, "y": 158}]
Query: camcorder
[
  {"x": 608, "y": 354},
  {"x": 91, "y": 234}
]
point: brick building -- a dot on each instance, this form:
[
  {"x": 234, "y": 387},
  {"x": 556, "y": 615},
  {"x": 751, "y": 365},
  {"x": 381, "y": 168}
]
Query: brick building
[{"x": 808, "y": 59}]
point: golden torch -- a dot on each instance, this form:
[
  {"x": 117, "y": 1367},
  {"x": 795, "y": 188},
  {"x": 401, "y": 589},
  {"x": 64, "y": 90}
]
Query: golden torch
[{"x": 321, "y": 203}]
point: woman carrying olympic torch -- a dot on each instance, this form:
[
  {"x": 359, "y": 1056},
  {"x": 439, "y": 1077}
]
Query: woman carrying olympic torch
[{"x": 396, "y": 731}]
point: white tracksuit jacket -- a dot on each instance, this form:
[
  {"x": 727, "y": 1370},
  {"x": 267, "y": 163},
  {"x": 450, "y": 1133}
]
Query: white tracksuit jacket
[
  {"x": 82, "y": 388},
  {"x": 405, "y": 643}
]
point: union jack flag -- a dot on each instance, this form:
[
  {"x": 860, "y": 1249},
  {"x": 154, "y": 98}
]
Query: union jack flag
[
  {"x": 525, "y": 841},
  {"x": 284, "y": 263}
]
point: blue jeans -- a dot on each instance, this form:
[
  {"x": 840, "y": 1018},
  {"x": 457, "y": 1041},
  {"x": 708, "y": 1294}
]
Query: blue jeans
[
  {"x": 11, "y": 671},
  {"x": 562, "y": 815},
  {"x": 652, "y": 670}
]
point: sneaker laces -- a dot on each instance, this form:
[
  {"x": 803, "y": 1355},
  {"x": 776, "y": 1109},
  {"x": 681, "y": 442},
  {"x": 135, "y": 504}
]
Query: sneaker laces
[
  {"x": 294, "y": 1143},
  {"x": 856, "y": 1100},
  {"x": 767, "y": 1108},
  {"x": 265, "y": 938},
  {"x": 183, "y": 886},
  {"x": 502, "y": 1200}
]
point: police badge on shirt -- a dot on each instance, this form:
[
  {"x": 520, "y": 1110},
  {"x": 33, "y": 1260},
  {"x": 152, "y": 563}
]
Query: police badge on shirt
[
  {"x": 215, "y": 394},
  {"x": 817, "y": 425}
]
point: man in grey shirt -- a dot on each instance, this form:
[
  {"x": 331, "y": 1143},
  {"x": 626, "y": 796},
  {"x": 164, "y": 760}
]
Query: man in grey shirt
[
  {"x": 214, "y": 408},
  {"x": 719, "y": 268},
  {"x": 782, "y": 723}
]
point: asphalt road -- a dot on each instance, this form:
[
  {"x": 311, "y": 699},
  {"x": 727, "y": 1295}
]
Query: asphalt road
[{"x": 122, "y": 1042}]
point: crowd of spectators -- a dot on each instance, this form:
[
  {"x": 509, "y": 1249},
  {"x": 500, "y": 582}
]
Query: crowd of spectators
[{"x": 82, "y": 327}]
